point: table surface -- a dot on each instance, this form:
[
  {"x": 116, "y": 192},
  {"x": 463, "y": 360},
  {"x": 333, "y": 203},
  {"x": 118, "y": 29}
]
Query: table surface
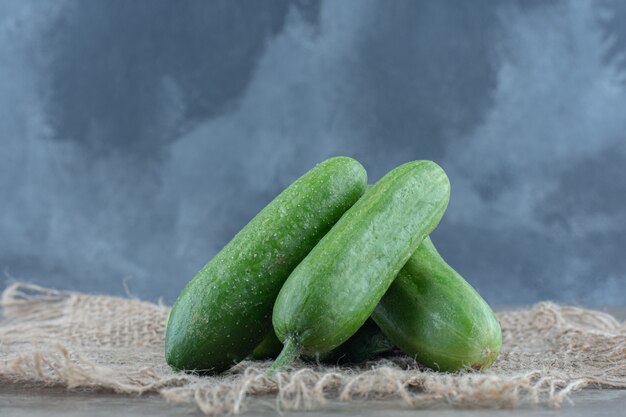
[
  {"x": 32, "y": 401},
  {"x": 20, "y": 401}
]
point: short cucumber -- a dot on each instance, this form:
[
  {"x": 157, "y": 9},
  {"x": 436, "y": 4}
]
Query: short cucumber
[
  {"x": 336, "y": 287},
  {"x": 225, "y": 311},
  {"x": 431, "y": 313},
  {"x": 269, "y": 348},
  {"x": 366, "y": 344}
]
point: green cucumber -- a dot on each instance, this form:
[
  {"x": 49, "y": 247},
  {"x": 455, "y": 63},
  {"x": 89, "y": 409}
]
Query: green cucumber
[
  {"x": 269, "y": 348},
  {"x": 366, "y": 344},
  {"x": 336, "y": 287},
  {"x": 431, "y": 313},
  {"x": 225, "y": 311}
]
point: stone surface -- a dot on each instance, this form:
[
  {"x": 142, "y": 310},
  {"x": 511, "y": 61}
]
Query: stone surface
[{"x": 21, "y": 401}]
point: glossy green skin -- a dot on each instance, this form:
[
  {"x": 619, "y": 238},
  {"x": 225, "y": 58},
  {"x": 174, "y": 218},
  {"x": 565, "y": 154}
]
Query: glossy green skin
[
  {"x": 336, "y": 287},
  {"x": 367, "y": 343},
  {"x": 225, "y": 311},
  {"x": 434, "y": 315}
]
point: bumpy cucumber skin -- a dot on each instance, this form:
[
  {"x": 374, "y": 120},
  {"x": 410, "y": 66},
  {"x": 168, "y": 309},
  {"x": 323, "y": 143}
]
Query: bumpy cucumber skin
[
  {"x": 225, "y": 311},
  {"x": 336, "y": 287},
  {"x": 431, "y": 313}
]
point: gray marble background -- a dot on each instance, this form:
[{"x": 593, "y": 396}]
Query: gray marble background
[{"x": 136, "y": 137}]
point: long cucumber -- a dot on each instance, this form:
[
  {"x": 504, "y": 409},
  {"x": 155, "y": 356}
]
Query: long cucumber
[
  {"x": 225, "y": 311},
  {"x": 431, "y": 313},
  {"x": 336, "y": 287}
]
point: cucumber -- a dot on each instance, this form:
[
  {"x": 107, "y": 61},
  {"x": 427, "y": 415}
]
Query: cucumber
[
  {"x": 431, "y": 313},
  {"x": 366, "y": 344},
  {"x": 225, "y": 311},
  {"x": 336, "y": 287},
  {"x": 269, "y": 348}
]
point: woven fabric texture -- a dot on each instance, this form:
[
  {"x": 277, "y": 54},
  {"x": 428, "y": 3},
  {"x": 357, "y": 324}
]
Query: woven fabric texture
[{"x": 101, "y": 342}]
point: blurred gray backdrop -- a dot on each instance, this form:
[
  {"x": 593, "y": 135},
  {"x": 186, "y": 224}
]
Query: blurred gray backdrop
[{"x": 137, "y": 137}]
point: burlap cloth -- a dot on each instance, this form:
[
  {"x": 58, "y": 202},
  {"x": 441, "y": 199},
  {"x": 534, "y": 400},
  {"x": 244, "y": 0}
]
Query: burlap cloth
[{"x": 100, "y": 342}]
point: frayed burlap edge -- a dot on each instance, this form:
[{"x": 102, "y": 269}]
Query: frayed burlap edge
[{"x": 100, "y": 342}]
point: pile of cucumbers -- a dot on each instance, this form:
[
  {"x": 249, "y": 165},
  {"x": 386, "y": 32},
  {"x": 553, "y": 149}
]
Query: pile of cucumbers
[{"x": 336, "y": 271}]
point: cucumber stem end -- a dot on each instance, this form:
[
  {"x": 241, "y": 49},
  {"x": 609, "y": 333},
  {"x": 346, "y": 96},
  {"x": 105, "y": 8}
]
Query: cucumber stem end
[{"x": 291, "y": 350}]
